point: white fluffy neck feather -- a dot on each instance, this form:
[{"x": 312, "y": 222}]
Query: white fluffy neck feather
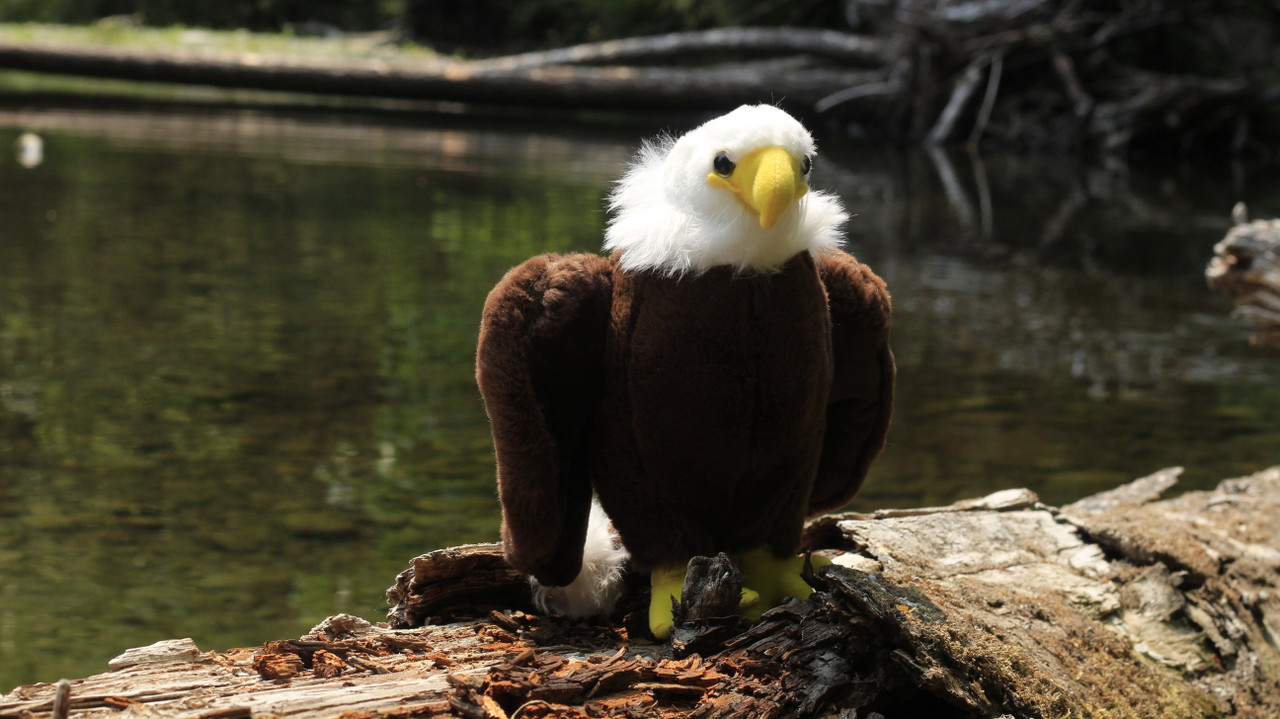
[{"x": 668, "y": 219}]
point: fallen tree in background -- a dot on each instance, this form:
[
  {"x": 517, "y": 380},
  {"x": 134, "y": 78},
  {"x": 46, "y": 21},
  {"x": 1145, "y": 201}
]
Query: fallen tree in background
[
  {"x": 1118, "y": 605},
  {"x": 1165, "y": 75}
]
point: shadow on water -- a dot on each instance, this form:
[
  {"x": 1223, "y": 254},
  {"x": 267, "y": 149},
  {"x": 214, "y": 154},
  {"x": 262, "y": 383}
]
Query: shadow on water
[{"x": 236, "y": 387}]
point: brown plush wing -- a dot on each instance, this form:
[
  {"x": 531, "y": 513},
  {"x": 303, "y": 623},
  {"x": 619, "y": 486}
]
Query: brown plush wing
[
  {"x": 861, "y": 398},
  {"x": 539, "y": 365}
]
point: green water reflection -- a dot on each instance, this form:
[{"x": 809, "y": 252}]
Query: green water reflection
[{"x": 236, "y": 386}]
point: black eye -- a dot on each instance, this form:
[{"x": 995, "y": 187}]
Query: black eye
[
  {"x": 805, "y": 165},
  {"x": 723, "y": 165}
]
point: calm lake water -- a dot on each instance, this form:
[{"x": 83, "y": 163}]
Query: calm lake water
[{"x": 236, "y": 389}]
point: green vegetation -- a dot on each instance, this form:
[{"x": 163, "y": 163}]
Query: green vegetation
[
  {"x": 505, "y": 25},
  {"x": 236, "y": 350},
  {"x": 350, "y": 15},
  {"x": 479, "y": 25},
  {"x": 236, "y": 391},
  {"x": 198, "y": 40}
]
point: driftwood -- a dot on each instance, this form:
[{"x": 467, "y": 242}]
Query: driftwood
[
  {"x": 855, "y": 50},
  {"x": 555, "y": 79},
  {"x": 1246, "y": 263},
  {"x": 1119, "y": 605},
  {"x": 1043, "y": 74},
  {"x": 1048, "y": 74}
]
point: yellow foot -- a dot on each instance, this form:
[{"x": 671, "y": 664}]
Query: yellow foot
[
  {"x": 773, "y": 578},
  {"x": 665, "y": 585}
]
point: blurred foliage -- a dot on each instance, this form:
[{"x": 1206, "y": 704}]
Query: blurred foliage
[
  {"x": 1183, "y": 36},
  {"x": 1225, "y": 38},
  {"x": 477, "y": 25},
  {"x": 346, "y": 15},
  {"x": 512, "y": 25},
  {"x": 192, "y": 41}
]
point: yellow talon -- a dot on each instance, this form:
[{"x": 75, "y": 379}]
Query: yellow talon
[
  {"x": 772, "y": 579},
  {"x": 665, "y": 585}
]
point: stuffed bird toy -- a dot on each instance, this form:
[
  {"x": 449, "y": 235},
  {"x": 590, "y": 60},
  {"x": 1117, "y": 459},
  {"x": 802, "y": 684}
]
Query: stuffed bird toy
[{"x": 723, "y": 374}]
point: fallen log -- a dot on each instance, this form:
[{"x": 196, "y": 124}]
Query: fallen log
[
  {"x": 855, "y": 50},
  {"x": 1057, "y": 75},
  {"x": 555, "y": 79},
  {"x": 1120, "y": 604}
]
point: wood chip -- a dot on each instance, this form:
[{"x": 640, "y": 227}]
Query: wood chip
[
  {"x": 327, "y": 665},
  {"x": 504, "y": 621},
  {"x": 466, "y": 709},
  {"x": 367, "y": 665},
  {"x": 228, "y": 713},
  {"x": 557, "y": 692},
  {"x": 672, "y": 692},
  {"x": 169, "y": 650},
  {"x": 278, "y": 666}
]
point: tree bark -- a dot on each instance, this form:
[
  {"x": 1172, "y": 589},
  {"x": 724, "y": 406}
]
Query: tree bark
[
  {"x": 520, "y": 80},
  {"x": 854, "y": 50},
  {"x": 1119, "y": 605},
  {"x": 1246, "y": 263}
]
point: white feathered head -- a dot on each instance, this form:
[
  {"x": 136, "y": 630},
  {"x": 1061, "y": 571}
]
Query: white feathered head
[{"x": 733, "y": 191}]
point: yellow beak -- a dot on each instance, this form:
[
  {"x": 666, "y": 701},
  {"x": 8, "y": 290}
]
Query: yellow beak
[{"x": 767, "y": 181}]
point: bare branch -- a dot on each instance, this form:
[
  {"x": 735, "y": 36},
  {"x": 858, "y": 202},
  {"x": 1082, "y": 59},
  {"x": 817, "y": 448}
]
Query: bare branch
[
  {"x": 852, "y": 49},
  {"x": 891, "y": 86},
  {"x": 1066, "y": 70},
  {"x": 989, "y": 101},
  {"x": 960, "y": 94}
]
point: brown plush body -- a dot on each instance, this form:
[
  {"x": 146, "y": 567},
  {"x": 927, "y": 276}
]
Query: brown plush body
[{"x": 709, "y": 413}]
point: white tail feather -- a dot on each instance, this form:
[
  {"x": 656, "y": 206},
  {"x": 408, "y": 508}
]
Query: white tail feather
[{"x": 598, "y": 586}]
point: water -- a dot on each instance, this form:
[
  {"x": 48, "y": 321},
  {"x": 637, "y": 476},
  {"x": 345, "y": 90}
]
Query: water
[{"x": 236, "y": 389}]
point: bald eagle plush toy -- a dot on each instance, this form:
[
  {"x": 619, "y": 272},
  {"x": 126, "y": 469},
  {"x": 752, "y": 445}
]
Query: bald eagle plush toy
[{"x": 719, "y": 377}]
